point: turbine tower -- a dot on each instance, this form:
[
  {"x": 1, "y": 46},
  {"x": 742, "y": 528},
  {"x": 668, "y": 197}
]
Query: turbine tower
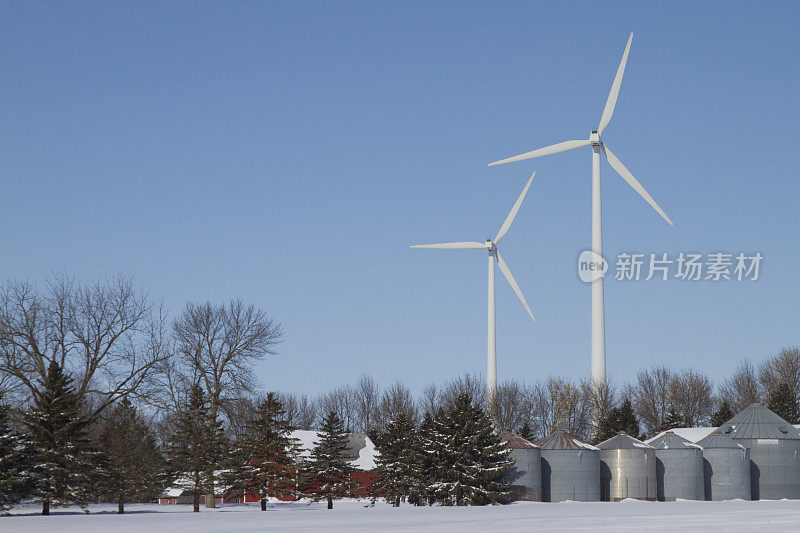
[
  {"x": 491, "y": 247},
  {"x": 598, "y": 369}
]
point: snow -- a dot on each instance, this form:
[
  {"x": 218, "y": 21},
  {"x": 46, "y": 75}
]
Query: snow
[
  {"x": 351, "y": 515},
  {"x": 690, "y": 434},
  {"x": 366, "y": 455}
]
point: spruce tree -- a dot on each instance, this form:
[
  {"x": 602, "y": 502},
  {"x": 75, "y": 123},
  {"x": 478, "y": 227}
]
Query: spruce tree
[
  {"x": 196, "y": 442},
  {"x": 134, "y": 464},
  {"x": 783, "y": 403},
  {"x": 270, "y": 453},
  {"x": 673, "y": 419},
  {"x": 427, "y": 439},
  {"x": 65, "y": 464},
  {"x": 721, "y": 415},
  {"x": 330, "y": 469},
  {"x": 398, "y": 465},
  {"x": 15, "y": 464},
  {"x": 617, "y": 419},
  {"x": 470, "y": 458},
  {"x": 526, "y": 432}
]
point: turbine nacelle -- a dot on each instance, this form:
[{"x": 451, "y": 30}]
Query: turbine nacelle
[{"x": 594, "y": 138}]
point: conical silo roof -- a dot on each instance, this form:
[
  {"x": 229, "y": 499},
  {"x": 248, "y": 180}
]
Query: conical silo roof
[
  {"x": 670, "y": 441},
  {"x": 717, "y": 440},
  {"x": 561, "y": 440},
  {"x": 622, "y": 441},
  {"x": 514, "y": 441},
  {"x": 758, "y": 422}
]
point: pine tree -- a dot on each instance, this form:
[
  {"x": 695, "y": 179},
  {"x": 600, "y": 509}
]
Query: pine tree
[
  {"x": 66, "y": 465},
  {"x": 398, "y": 465},
  {"x": 196, "y": 442},
  {"x": 783, "y": 403},
  {"x": 673, "y": 419},
  {"x": 15, "y": 464},
  {"x": 526, "y": 432},
  {"x": 721, "y": 415},
  {"x": 134, "y": 464},
  {"x": 330, "y": 469},
  {"x": 618, "y": 419},
  {"x": 427, "y": 439},
  {"x": 470, "y": 459},
  {"x": 270, "y": 453}
]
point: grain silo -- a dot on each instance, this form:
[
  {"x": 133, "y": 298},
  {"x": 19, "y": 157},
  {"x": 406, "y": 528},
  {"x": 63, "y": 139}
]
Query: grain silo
[
  {"x": 726, "y": 468},
  {"x": 570, "y": 469},
  {"x": 774, "y": 451},
  {"x": 627, "y": 469},
  {"x": 525, "y": 477},
  {"x": 679, "y": 468}
]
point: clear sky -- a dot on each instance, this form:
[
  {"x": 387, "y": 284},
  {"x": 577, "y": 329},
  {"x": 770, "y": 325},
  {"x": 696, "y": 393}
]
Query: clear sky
[{"x": 288, "y": 153}]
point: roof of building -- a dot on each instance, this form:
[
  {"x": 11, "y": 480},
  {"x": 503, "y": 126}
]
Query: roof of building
[
  {"x": 669, "y": 440},
  {"x": 622, "y": 441},
  {"x": 515, "y": 442},
  {"x": 690, "y": 434},
  {"x": 561, "y": 440},
  {"x": 757, "y": 422},
  {"x": 361, "y": 452},
  {"x": 717, "y": 440}
]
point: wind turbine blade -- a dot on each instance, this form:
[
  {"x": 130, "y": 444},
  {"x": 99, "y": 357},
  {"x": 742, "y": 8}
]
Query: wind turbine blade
[
  {"x": 513, "y": 213},
  {"x": 608, "y": 111},
  {"x": 452, "y": 245},
  {"x": 627, "y": 176},
  {"x": 548, "y": 150},
  {"x": 511, "y": 281}
]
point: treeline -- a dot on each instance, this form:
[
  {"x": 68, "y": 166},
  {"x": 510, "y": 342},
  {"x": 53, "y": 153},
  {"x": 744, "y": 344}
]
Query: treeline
[{"x": 105, "y": 398}]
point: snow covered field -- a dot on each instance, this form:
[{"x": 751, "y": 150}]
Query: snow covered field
[{"x": 781, "y": 515}]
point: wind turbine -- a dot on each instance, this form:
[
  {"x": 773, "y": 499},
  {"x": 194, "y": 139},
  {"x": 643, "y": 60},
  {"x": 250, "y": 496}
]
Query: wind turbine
[
  {"x": 491, "y": 247},
  {"x": 598, "y": 366}
]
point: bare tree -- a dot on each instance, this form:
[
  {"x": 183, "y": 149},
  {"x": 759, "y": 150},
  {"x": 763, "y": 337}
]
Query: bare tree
[
  {"x": 602, "y": 397},
  {"x": 511, "y": 407},
  {"x": 395, "y": 400},
  {"x": 429, "y": 400},
  {"x": 475, "y": 387},
  {"x": 742, "y": 388},
  {"x": 691, "y": 395},
  {"x": 367, "y": 397},
  {"x": 107, "y": 335},
  {"x": 558, "y": 404},
  {"x": 301, "y": 413},
  {"x": 218, "y": 345},
  {"x": 781, "y": 368},
  {"x": 342, "y": 401},
  {"x": 651, "y": 397}
]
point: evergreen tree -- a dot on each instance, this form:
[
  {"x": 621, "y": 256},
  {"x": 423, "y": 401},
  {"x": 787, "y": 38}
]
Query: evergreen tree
[
  {"x": 673, "y": 419},
  {"x": 270, "y": 453},
  {"x": 427, "y": 439},
  {"x": 65, "y": 464},
  {"x": 398, "y": 465},
  {"x": 133, "y": 461},
  {"x": 526, "y": 432},
  {"x": 330, "y": 469},
  {"x": 618, "y": 419},
  {"x": 721, "y": 415},
  {"x": 196, "y": 442},
  {"x": 470, "y": 459},
  {"x": 15, "y": 464},
  {"x": 783, "y": 403}
]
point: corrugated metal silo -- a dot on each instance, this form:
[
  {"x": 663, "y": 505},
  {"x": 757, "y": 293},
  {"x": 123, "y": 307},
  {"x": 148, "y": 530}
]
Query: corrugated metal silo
[
  {"x": 526, "y": 475},
  {"x": 570, "y": 469},
  {"x": 774, "y": 451},
  {"x": 679, "y": 468},
  {"x": 726, "y": 468},
  {"x": 627, "y": 469}
]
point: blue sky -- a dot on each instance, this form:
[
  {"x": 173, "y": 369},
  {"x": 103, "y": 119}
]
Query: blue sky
[{"x": 287, "y": 153}]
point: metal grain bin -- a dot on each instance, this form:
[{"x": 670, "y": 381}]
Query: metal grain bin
[
  {"x": 726, "y": 468},
  {"x": 525, "y": 477},
  {"x": 570, "y": 469},
  {"x": 679, "y": 468},
  {"x": 627, "y": 469},
  {"x": 774, "y": 451}
]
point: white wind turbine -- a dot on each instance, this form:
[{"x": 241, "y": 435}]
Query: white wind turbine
[
  {"x": 598, "y": 368},
  {"x": 491, "y": 247}
]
